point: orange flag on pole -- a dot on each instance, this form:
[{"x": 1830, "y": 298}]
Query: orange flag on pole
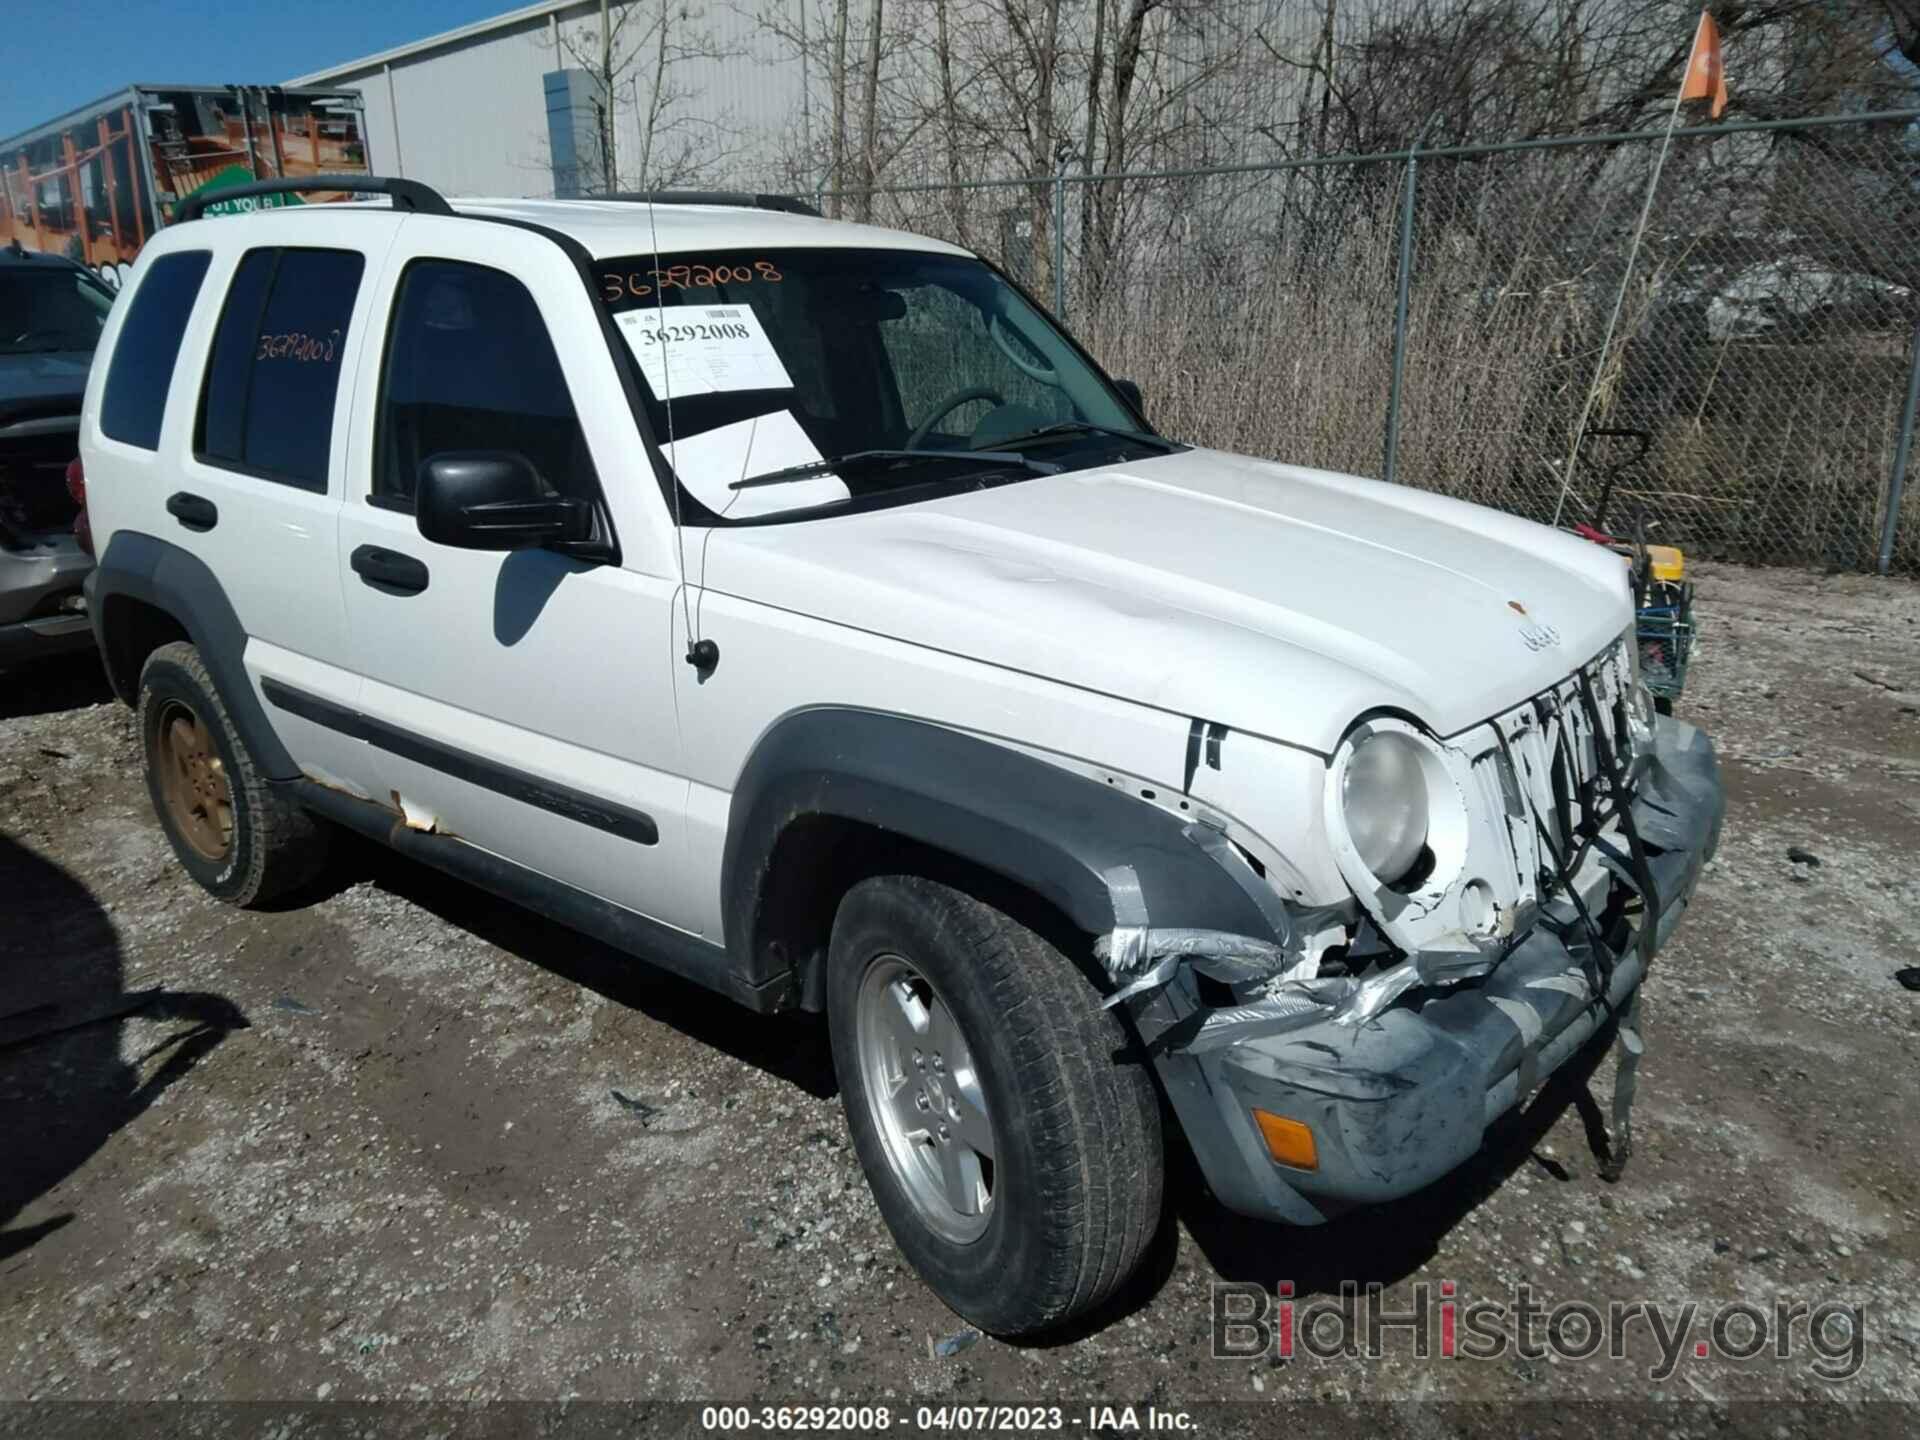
[{"x": 1706, "y": 73}]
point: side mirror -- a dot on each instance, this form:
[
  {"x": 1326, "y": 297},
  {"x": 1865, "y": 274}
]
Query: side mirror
[
  {"x": 1130, "y": 392},
  {"x": 493, "y": 500}
]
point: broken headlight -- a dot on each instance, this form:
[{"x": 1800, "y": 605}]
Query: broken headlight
[
  {"x": 1400, "y": 811},
  {"x": 1384, "y": 801}
]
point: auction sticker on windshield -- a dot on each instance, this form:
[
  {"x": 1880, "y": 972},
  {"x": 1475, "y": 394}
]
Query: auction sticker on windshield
[{"x": 702, "y": 349}]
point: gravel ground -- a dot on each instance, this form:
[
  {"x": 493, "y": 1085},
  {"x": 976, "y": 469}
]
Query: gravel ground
[{"x": 406, "y": 1141}]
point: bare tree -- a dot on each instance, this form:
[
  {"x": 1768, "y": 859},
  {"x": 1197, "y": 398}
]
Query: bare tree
[
  {"x": 640, "y": 55},
  {"x": 837, "y": 176},
  {"x": 869, "y": 119},
  {"x": 954, "y": 91}
]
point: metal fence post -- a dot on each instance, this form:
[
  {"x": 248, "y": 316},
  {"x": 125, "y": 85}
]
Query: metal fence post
[
  {"x": 1902, "y": 450},
  {"x": 1400, "y": 317},
  {"x": 1060, "y": 236}
]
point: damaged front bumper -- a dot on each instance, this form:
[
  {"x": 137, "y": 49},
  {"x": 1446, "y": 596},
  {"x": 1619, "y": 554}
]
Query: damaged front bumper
[{"x": 1398, "y": 1075}]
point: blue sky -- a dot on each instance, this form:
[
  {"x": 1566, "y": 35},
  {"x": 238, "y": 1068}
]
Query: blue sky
[{"x": 59, "y": 56}]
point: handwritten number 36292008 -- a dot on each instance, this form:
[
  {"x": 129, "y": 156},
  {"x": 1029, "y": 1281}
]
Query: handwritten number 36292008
[
  {"x": 616, "y": 286},
  {"x": 298, "y": 345}
]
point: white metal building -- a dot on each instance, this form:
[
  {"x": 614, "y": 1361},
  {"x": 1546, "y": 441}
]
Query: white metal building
[{"x": 468, "y": 111}]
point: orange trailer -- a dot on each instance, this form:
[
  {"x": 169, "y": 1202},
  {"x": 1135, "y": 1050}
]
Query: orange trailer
[{"x": 95, "y": 183}]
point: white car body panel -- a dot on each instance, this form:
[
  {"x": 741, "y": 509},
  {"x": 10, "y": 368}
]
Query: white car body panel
[
  {"x": 774, "y": 662},
  {"x": 275, "y": 546},
  {"x": 555, "y": 667},
  {"x": 1275, "y": 600}
]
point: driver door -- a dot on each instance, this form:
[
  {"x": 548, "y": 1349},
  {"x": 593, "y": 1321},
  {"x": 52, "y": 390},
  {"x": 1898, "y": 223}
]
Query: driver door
[{"x": 523, "y": 700}]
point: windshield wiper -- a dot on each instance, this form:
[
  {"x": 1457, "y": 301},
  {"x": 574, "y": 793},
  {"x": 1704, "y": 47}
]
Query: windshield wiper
[
  {"x": 1087, "y": 427},
  {"x": 881, "y": 457}
]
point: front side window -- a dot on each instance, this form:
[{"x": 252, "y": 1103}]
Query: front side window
[
  {"x": 470, "y": 366},
  {"x": 755, "y": 362},
  {"x": 143, "y": 357},
  {"x": 273, "y": 376}
]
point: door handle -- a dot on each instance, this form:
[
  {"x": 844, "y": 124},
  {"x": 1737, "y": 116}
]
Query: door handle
[
  {"x": 389, "y": 570},
  {"x": 193, "y": 511}
]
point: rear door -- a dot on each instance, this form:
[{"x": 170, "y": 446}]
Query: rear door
[
  {"x": 521, "y": 701},
  {"x": 254, "y": 443}
]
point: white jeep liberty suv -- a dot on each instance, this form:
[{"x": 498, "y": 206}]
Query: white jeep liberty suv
[{"x": 795, "y": 606}]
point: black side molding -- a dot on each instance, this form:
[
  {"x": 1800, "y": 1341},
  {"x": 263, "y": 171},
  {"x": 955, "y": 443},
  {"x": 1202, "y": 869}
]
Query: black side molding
[
  {"x": 625, "y": 930},
  {"x": 548, "y": 795}
]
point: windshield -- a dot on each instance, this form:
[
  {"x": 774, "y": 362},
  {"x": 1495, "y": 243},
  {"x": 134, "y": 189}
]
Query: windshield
[
  {"x": 51, "y": 309},
  {"x": 917, "y": 372}
]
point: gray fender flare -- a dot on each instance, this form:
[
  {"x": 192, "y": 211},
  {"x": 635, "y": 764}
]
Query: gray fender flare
[
  {"x": 140, "y": 567},
  {"x": 1095, "y": 852}
]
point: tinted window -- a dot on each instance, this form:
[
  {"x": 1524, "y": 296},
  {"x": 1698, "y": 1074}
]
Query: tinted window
[
  {"x": 861, "y": 350},
  {"x": 49, "y": 308},
  {"x": 149, "y": 343},
  {"x": 470, "y": 367},
  {"x": 274, "y": 373},
  {"x": 223, "y": 406},
  {"x": 941, "y": 335}
]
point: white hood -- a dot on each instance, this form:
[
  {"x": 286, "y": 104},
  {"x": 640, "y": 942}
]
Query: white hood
[{"x": 1272, "y": 599}]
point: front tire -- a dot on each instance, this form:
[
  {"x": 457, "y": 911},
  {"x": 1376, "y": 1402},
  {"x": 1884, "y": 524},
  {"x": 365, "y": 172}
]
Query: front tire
[
  {"x": 244, "y": 840},
  {"x": 1015, "y": 1157}
]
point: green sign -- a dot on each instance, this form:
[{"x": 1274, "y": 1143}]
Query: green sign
[{"x": 241, "y": 204}]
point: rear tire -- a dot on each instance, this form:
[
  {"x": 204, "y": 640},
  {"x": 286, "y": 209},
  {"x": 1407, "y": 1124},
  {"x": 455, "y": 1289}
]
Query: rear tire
[
  {"x": 1070, "y": 1197},
  {"x": 244, "y": 839}
]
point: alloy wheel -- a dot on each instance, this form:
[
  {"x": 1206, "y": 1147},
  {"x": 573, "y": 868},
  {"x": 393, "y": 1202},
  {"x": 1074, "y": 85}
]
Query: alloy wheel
[
  {"x": 925, "y": 1097},
  {"x": 193, "y": 781}
]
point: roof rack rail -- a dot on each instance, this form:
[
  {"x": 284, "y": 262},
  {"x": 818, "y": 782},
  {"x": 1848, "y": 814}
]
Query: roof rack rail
[
  {"x": 405, "y": 194},
  {"x": 741, "y": 198}
]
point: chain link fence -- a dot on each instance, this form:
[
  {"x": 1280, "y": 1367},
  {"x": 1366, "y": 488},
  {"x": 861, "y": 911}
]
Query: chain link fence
[{"x": 1438, "y": 319}]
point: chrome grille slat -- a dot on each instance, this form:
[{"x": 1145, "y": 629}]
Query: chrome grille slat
[{"x": 1554, "y": 724}]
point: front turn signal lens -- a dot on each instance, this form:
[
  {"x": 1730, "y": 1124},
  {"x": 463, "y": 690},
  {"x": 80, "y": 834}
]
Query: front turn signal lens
[{"x": 1288, "y": 1141}]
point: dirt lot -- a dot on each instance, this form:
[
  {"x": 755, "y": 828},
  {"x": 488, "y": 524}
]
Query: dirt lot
[{"x": 409, "y": 1142}]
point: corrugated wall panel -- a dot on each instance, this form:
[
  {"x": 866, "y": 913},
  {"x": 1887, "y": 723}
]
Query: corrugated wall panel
[
  {"x": 471, "y": 119},
  {"x": 733, "y": 115}
]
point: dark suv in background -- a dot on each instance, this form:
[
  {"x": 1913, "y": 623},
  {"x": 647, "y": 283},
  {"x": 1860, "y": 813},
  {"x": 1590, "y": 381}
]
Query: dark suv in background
[{"x": 51, "y": 315}]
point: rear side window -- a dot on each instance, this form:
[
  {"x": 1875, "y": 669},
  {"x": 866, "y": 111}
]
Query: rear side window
[
  {"x": 470, "y": 366},
  {"x": 149, "y": 343},
  {"x": 273, "y": 376}
]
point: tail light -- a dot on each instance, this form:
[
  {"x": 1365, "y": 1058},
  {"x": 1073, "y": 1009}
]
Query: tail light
[{"x": 77, "y": 488}]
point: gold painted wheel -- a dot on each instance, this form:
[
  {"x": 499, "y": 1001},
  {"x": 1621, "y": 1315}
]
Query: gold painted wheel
[{"x": 193, "y": 781}]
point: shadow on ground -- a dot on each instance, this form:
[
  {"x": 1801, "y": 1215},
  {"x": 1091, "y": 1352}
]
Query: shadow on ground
[
  {"x": 64, "y": 683},
  {"x": 789, "y": 1046},
  {"x": 65, "y": 1087}
]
